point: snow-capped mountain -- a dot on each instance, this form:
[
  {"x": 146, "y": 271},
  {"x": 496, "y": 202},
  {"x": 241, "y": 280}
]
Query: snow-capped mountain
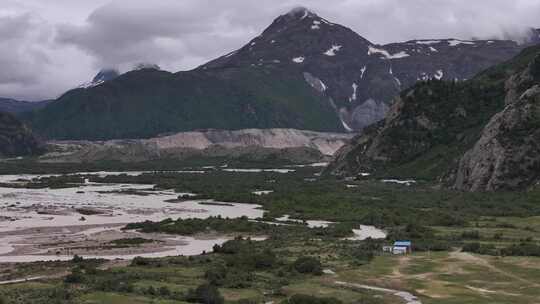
[
  {"x": 101, "y": 77},
  {"x": 108, "y": 74},
  {"x": 302, "y": 72},
  {"x": 358, "y": 76}
]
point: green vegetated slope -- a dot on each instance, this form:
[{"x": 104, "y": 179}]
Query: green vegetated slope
[
  {"x": 432, "y": 124},
  {"x": 148, "y": 102}
]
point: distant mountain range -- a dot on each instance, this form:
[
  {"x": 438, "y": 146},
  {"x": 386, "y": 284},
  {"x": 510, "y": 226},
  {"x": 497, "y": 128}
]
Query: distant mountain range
[
  {"x": 302, "y": 72},
  {"x": 481, "y": 134},
  {"x": 18, "y": 106}
]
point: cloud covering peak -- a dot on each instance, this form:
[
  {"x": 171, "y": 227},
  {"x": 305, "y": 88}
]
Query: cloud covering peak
[{"x": 48, "y": 47}]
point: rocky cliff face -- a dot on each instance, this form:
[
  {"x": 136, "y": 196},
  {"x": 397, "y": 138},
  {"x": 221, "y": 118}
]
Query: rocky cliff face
[
  {"x": 285, "y": 144},
  {"x": 425, "y": 128},
  {"x": 507, "y": 155},
  {"x": 477, "y": 135},
  {"x": 15, "y": 138}
]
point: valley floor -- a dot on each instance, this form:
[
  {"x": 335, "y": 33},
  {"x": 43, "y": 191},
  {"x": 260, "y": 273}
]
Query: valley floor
[
  {"x": 469, "y": 248},
  {"x": 449, "y": 277}
]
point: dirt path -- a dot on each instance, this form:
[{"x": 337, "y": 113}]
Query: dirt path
[
  {"x": 408, "y": 297},
  {"x": 403, "y": 262},
  {"x": 467, "y": 257},
  {"x": 36, "y": 278},
  {"x": 105, "y": 266}
]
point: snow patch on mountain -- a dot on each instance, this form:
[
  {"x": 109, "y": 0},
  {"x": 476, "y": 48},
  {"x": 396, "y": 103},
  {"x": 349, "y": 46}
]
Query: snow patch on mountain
[
  {"x": 230, "y": 54},
  {"x": 428, "y": 41},
  {"x": 100, "y": 78},
  {"x": 91, "y": 84},
  {"x": 363, "y": 70},
  {"x": 401, "y": 54},
  {"x": 332, "y": 50},
  {"x": 455, "y": 42},
  {"x": 373, "y": 50},
  {"x": 346, "y": 126},
  {"x": 398, "y": 82},
  {"x": 353, "y": 96},
  {"x": 423, "y": 77},
  {"x": 315, "y": 82}
]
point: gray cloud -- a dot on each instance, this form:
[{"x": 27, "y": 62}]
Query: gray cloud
[
  {"x": 20, "y": 45},
  {"x": 33, "y": 65},
  {"x": 48, "y": 47},
  {"x": 175, "y": 34}
]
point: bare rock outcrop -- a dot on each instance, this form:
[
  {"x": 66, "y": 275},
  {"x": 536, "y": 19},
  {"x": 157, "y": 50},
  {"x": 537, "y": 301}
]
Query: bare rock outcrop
[
  {"x": 16, "y": 139},
  {"x": 507, "y": 155},
  {"x": 478, "y": 135},
  {"x": 285, "y": 143}
]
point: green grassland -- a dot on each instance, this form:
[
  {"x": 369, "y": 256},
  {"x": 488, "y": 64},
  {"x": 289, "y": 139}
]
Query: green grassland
[
  {"x": 440, "y": 223},
  {"x": 435, "y": 277}
]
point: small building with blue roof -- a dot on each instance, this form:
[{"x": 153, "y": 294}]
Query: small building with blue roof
[{"x": 402, "y": 247}]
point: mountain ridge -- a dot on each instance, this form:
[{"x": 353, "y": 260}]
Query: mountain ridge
[
  {"x": 302, "y": 72},
  {"x": 477, "y": 135},
  {"x": 14, "y": 106}
]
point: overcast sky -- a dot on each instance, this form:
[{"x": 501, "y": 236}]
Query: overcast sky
[{"x": 47, "y": 47}]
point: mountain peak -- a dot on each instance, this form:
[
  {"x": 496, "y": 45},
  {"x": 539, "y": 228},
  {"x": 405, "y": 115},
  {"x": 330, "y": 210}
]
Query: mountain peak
[
  {"x": 147, "y": 65},
  {"x": 301, "y": 12},
  {"x": 106, "y": 75},
  {"x": 102, "y": 76}
]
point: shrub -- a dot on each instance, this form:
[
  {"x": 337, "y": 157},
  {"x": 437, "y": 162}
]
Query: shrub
[
  {"x": 471, "y": 235},
  {"x": 231, "y": 247},
  {"x": 216, "y": 276},
  {"x": 246, "y": 301},
  {"x": 305, "y": 299},
  {"x": 479, "y": 248},
  {"x": 140, "y": 261},
  {"x": 205, "y": 293},
  {"x": 521, "y": 249},
  {"x": 164, "y": 291},
  {"x": 75, "y": 277},
  {"x": 77, "y": 259},
  {"x": 308, "y": 265},
  {"x": 431, "y": 245},
  {"x": 151, "y": 291},
  {"x": 265, "y": 259}
]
